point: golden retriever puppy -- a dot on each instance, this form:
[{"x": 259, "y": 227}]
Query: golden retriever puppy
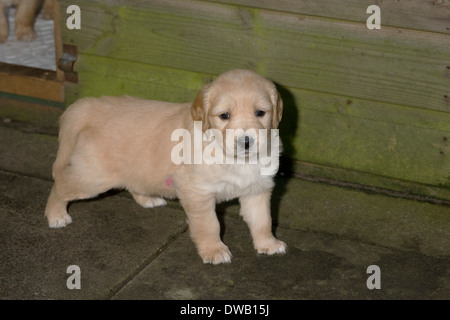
[{"x": 214, "y": 149}]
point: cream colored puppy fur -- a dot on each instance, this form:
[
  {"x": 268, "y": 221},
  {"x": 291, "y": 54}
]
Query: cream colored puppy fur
[{"x": 125, "y": 142}]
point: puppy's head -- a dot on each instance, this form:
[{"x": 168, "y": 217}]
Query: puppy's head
[{"x": 240, "y": 100}]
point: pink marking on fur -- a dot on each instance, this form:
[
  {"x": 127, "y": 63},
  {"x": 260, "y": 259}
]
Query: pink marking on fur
[{"x": 169, "y": 182}]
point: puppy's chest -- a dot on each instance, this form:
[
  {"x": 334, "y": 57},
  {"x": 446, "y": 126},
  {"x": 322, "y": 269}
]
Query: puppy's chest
[{"x": 239, "y": 182}]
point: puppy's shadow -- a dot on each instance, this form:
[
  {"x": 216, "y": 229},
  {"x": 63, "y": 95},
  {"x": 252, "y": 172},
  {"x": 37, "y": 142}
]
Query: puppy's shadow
[
  {"x": 103, "y": 195},
  {"x": 287, "y": 129}
]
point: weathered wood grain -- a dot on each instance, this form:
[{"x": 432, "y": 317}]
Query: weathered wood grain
[
  {"x": 357, "y": 101},
  {"x": 31, "y": 82},
  {"x": 30, "y": 110},
  {"x": 371, "y": 182},
  {"x": 106, "y": 76},
  {"x": 400, "y": 142},
  {"x": 392, "y": 141},
  {"x": 425, "y": 15},
  {"x": 390, "y": 65}
]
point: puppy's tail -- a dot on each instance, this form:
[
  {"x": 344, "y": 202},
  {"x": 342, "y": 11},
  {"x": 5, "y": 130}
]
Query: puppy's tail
[{"x": 72, "y": 123}]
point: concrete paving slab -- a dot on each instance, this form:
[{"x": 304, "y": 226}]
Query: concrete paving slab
[
  {"x": 27, "y": 153},
  {"x": 110, "y": 240},
  {"x": 128, "y": 252},
  {"x": 400, "y": 223},
  {"x": 316, "y": 266},
  {"x": 302, "y": 205},
  {"x": 404, "y": 224}
]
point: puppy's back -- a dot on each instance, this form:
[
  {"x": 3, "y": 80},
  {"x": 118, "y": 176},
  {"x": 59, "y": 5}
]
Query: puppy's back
[{"x": 117, "y": 120}]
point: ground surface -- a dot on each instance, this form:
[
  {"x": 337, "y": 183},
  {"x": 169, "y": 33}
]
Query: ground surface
[{"x": 124, "y": 251}]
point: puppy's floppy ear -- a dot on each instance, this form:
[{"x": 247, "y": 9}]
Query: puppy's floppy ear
[
  {"x": 200, "y": 106},
  {"x": 277, "y": 112}
]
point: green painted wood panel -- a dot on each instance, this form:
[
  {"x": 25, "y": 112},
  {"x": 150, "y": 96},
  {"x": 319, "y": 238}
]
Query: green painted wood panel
[
  {"x": 368, "y": 107},
  {"x": 318, "y": 54},
  {"x": 105, "y": 76},
  {"x": 433, "y": 15},
  {"x": 392, "y": 141},
  {"x": 400, "y": 142}
]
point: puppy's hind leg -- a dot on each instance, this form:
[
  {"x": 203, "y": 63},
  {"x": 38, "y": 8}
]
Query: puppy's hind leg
[
  {"x": 56, "y": 210},
  {"x": 148, "y": 202},
  {"x": 70, "y": 185}
]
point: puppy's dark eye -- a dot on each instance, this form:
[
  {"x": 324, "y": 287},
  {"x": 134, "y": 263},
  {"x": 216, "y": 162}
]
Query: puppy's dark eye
[
  {"x": 260, "y": 113},
  {"x": 224, "y": 116}
]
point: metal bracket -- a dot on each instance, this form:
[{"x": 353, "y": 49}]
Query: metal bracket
[{"x": 67, "y": 61}]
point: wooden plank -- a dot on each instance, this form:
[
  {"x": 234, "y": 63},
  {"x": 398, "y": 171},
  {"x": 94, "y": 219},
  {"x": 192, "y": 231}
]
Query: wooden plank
[
  {"x": 431, "y": 15},
  {"x": 32, "y": 82},
  {"x": 369, "y": 182},
  {"x": 30, "y": 111},
  {"x": 58, "y": 38},
  {"x": 403, "y": 143},
  {"x": 390, "y": 65},
  {"x": 355, "y": 101},
  {"x": 407, "y": 144},
  {"x": 106, "y": 76}
]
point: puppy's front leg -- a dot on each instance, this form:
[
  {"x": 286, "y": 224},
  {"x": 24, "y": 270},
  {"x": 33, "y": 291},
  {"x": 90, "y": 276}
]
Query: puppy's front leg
[
  {"x": 205, "y": 228},
  {"x": 255, "y": 209}
]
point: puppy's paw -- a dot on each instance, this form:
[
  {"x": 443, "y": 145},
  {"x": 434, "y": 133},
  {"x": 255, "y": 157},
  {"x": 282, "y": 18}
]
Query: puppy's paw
[
  {"x": 152, "y": 202},
  {"x": 271, "y": 246},
  {"x": 59, "y": 221},
  {"x": 216, "y": 254},
  {"x": 149, "y": 202},
  {"x": 25, "y": 33}
]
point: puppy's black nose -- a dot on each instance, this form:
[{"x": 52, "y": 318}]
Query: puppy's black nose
[{"x": 246, "y": 142}]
